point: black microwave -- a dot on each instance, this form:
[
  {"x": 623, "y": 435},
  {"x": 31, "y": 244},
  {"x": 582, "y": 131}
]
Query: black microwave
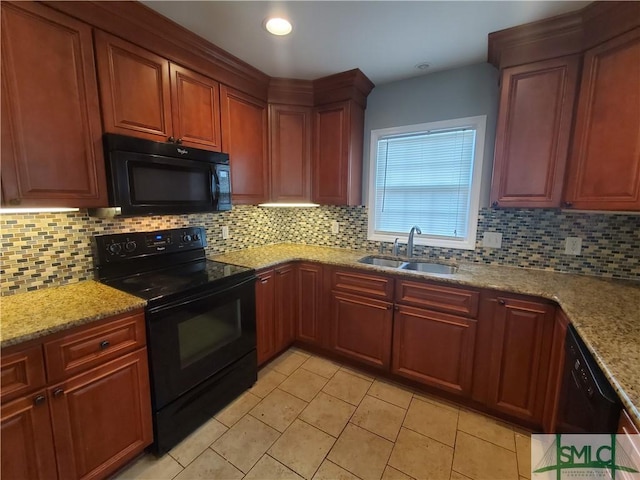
[{"x": 153, "y": 178}]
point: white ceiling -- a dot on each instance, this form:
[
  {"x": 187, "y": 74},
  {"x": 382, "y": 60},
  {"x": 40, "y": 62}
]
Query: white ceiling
[{"x": 384, "y": 39}]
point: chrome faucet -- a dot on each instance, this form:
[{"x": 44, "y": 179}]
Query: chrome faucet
[
  {"x": 414, "y": 229},
  {"x": 396, "y": 248}
]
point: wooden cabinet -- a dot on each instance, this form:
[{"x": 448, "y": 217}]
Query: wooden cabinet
[
  {"x": 629, "y": 438},
  {"x": 338, "y": 129},
  {"x": 51, "y": 133},
  {"x": 146, "y": 96},
  {"x": 604, "y": 168},
  {"x": 244, "y": 137},
  {"x": 556, "y": 370},
  {"x": 311, "y": 306},
  {"x": 519, "y": 362},
  {"x": 290, "y": 133},
  {"x": 433, "y": 342},
  {"x": 276, "y": 310},
  {"x": 90, "y": 417},
  {"x": 362, "y": 317},
  {"x": 533, "y": 132}
]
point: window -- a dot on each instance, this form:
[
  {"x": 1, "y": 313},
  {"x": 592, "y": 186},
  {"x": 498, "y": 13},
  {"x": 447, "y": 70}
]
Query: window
[{"x": 427, "y": 175}]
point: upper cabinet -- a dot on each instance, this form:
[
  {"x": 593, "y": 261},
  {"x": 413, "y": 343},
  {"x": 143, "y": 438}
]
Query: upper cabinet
[
  {"x": 604, "y": 167},
  {"x": 533, "y": 132},
  {"x": 146, "y": 96},
  {"x": 540, "y": 132},
  {"x": 244, "y": 137},
  {"x": 51, "y": 132}
]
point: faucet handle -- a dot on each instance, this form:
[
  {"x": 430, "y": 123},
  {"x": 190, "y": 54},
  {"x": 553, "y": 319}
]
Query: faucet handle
[{"x": 394, "y": 251}]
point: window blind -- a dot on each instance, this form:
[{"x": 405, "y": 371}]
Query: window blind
[{"x": 425, "y": 179}]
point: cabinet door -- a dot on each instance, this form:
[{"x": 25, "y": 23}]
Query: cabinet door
[
  {"x": 102, "y": 418},
  {"x": 434, "y": 348},
  {"x": 195, "y": 103},
  {"x": 604, "y": 168},
  {"x": 51, "y": 133},
  {"x": 26, "y": 439},
  {"x": 265, "y": 316},
  {"x": 337, "y": 154},
  {"x": 361, "y": 328},
  {"x": 556, "y": 370},
  {"x": 521, "y": 345},
  {"x": 285, "y": 305},
  {"x": 310, "y": 304},
  {"x": 290, "y": 129},
  {"x": 134, "y": 89},
  {"x": 532, "y": 138},
  {"x": 244, "y": 137}
]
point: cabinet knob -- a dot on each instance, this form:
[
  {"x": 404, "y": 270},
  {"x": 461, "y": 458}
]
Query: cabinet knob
[
  {"x": 57, "y": 392},
  {"x": 171, "y": 139},
  {"x": 15, "y": 201},
  {"x": 501, "y": 302},
  {"x": 104, "y": 344},
  {"x": 396, "y": 308},
  {"x": 39, "y": 400},
  {"x": 179, "y": 141},
  {"x": 264, "y": 280},
  {"x": 494, "y": 204},
  {"x": 568, "y": 204}
]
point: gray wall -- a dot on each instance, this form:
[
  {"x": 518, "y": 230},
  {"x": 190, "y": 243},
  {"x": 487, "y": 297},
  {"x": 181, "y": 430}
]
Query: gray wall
[{"x": 456, "y": 93}]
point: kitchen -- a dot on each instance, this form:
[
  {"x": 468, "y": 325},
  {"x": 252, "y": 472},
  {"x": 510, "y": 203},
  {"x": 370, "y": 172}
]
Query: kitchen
[{"x": 51, "y": 249}]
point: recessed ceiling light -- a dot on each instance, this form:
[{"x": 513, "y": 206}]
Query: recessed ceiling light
[
  {"x": 278, "y": 26},
  {"x": 423, "y": 66}
]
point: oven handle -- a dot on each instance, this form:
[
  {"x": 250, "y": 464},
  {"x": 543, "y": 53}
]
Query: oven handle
[{"x": 201, "y": 296}]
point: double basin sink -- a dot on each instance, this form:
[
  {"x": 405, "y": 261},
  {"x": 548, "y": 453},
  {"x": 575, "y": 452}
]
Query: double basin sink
[{"x": 415, "y": 265}]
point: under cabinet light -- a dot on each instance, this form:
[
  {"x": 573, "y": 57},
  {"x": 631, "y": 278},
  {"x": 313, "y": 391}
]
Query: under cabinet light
[
  {"x": 38, "y": 210},
  {"x": 287, "y": 205}
]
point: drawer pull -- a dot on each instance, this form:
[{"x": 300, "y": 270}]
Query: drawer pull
[
  {"x": 39, "y": 400},
  {"x": 501, "y": 301},
  {"x": 104, "y": 344},
  {"x": 57, "y": 392}
]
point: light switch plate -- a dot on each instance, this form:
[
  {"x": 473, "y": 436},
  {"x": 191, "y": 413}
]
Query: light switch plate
[
  {"x": 492, "y": 240},
  {"x": 225, "y": 232},
  {"x": 573, "y": 246},
  {"x": 335, "y": 227}
]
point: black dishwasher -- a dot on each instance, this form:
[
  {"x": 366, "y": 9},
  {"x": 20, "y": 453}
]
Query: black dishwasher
[{"x": 588, "y": 403}]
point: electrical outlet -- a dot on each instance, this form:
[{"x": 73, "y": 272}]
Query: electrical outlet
[
  {"x": 335, "y": 227},
  {"x": 225, "y": 232},
  {"x": 492, "y": 240},
  {"x": 572, "y": 246}
]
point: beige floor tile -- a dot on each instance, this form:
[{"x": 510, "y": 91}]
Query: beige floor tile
[
  {"x": 237, "y": 409},
  {"x": 330, "y": 471},
  {"x": 329, "y": 414},
  {"x": 421, "y": 457},
  {"x": 432, "y": 420},
  {"x": 196, "y": 443},
  {"x": 267, "y": 382},
  {"x": 299, "y": 351},
  {"x": 302, "y": 448},
  {"x": 210, "y": 465},
  {"x": 391, "y": 473},
  {"x": 278, "y": 409},
  {"x": 321, "y": 366},
  {"x": 440, "y": 402},
  {"x": 361, "y": 452},
  {"x": 379, "y": 417},
  {"x": 151, "y": 468},
  {"x": 523, "y": 453},
  {"x": 347, "y": 387},
  {"x": 458, "y": 476},
  {"x": 269, "y": 468},
  {"x": 390, "y": 393},
  {"x": 486, "y": 428},
  {"x": 482, "y": 460},
  {"x": 303, "y": 384},
  {"x": 245, "y": 443},
  {"x": 288, "y": 362},
  {"x": 358, "y": 373}
]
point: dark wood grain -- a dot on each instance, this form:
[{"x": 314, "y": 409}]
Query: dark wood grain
[
  {"x": 265, "y": 316},
  {"x": 311, "y": 323}
]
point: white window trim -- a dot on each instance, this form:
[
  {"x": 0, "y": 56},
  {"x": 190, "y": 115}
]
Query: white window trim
[{"x": 479, "y": 123}]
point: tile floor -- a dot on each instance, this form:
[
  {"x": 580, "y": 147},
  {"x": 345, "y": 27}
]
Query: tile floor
[{"x": 309, "y": 418}]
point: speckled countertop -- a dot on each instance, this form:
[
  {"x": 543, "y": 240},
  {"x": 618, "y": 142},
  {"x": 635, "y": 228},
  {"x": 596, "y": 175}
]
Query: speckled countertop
[
  {"x": 606, "y": 313},
  {"x": 27, "y": 316}
]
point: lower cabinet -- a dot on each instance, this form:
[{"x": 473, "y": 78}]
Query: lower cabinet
[
  {"x": 310, "y": 320},
  {"x": 86, "y": 425},
  {"x": 434, "y": 348}
]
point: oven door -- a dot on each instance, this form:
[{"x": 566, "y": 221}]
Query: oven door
[{"x": 194, "y": 338}]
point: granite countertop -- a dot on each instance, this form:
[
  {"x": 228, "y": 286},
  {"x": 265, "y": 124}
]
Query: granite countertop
[
  {"x": 31, "y": 315},
  {"x": 606, "y": 313}
]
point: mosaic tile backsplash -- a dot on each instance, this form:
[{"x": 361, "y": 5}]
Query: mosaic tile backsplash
[{"x": 40, "y": 250}]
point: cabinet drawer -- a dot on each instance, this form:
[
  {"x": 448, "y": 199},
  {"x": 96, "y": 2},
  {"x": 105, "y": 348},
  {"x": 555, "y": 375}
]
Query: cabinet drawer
[
  {"x": 437, "y": 297},
  {"x": 92, "y": 346},
  {"x": 374, "y": 286},
  {"x": 22, "y": 372}
]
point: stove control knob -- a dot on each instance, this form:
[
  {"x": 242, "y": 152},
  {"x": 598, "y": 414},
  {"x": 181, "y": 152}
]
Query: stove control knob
[
  {"x": 186, "y": 238},
  {"x": 130, "y": 246},
  {"x": 114, "y": 248},
  {"x": 196, "y": 237}
]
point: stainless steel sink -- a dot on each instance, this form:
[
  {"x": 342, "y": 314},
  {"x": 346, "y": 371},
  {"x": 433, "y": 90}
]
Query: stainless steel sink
[
  {"x": 430, "y": 267},
  {"x": 382, "y": 262}
]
